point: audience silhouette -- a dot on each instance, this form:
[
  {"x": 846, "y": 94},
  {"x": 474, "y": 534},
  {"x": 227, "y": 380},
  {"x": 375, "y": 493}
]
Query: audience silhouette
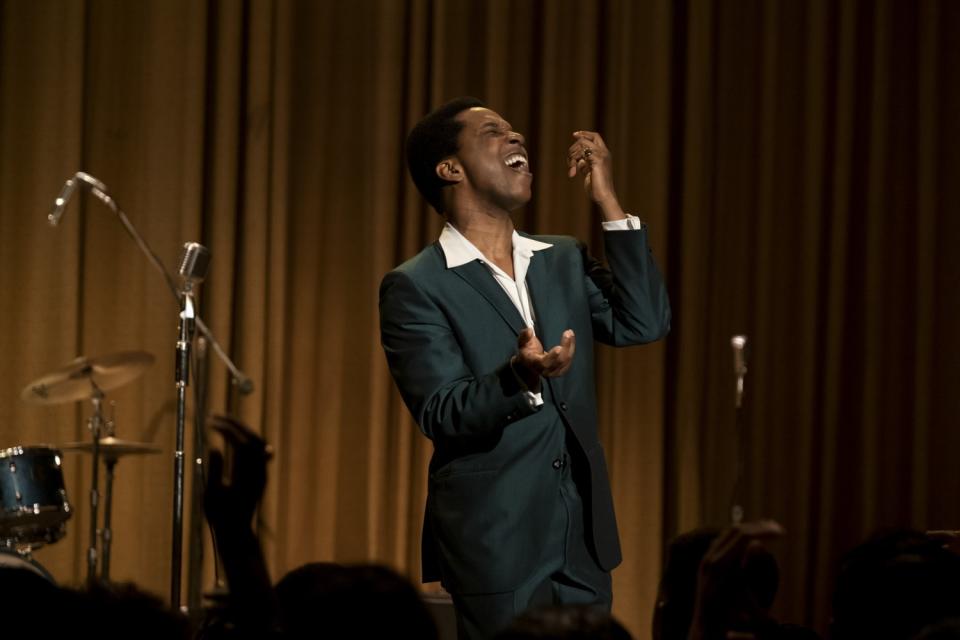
[{"x": 716, "y": 584}]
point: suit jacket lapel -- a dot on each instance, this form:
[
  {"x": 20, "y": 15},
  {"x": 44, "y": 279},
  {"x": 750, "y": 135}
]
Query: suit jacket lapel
[
  {"x": 478, "y": 277},
  {"x": 548, "y": 315}
]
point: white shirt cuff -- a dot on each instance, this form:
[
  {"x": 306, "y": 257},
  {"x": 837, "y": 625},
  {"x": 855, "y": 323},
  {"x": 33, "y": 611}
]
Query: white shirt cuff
[
  {"x": 534, "y": 400},
  {"x": 629, "y": 223}
]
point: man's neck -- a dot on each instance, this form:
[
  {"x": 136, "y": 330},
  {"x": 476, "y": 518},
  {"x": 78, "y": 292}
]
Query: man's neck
[{"x": 491, "y": 234}]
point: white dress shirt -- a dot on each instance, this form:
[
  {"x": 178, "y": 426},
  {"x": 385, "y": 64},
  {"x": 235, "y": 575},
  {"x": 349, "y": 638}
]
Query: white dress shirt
[{"x": 459, "y": 251}]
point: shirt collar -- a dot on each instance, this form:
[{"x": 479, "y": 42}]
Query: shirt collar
[{"x": 459, "y": 251}]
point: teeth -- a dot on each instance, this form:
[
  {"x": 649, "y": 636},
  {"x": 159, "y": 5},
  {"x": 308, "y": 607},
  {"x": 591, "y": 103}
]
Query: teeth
[{"x": 515, "y": 161}]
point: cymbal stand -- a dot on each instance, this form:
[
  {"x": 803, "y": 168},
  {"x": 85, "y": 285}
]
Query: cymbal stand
[
  {"x": 109, "y": 462},
  {"x": 95, "y": 423}
]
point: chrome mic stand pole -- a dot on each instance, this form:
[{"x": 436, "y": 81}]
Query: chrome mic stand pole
[
  {"x": 187, "y": 317},
  {"x": 195, "y": 532},
  {"x": 739, "y": 344},
  {"x": 193, "y": 268}
]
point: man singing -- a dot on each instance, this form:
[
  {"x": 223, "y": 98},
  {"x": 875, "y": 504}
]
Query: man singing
[{"x": 489, "y": 336}]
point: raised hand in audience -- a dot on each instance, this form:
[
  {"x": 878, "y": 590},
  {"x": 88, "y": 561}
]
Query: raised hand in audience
[
  {"x": 726, "y": 608},
  {"x": 230, "y": 502}
]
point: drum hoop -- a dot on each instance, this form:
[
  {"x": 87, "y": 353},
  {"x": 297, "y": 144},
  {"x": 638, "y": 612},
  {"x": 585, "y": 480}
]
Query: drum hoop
[
  {"x": 34, "y": 510},
  {"x": 19, "y": 450}
]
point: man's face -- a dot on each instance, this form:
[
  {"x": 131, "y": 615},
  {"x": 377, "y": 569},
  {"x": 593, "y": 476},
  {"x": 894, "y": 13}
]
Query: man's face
[{"x": 494, "y": 159}]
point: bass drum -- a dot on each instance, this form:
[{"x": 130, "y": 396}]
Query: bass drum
[{"x": 33, "y": 501}]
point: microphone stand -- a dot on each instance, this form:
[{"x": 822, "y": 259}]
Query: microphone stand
[
  {"x": 96, "y": 424},
  {"x": 195, "y": 533},
  {"x": 189, "y": 320},
  {"x": 240, "y": 380},
  {"x": 739, "y": 343}
]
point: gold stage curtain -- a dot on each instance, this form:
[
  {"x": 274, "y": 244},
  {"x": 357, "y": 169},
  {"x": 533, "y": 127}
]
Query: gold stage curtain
[{"x": 796, "y": 162}]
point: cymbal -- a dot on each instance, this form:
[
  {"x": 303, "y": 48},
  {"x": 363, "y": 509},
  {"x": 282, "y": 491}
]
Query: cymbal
[
  {"x": 111, "y": 447},
  {"x": 79, "y": 379}
]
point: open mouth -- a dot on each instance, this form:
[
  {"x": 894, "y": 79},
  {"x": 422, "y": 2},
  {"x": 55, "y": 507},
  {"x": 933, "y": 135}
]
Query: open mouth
[{"x": 517, "y": 162}]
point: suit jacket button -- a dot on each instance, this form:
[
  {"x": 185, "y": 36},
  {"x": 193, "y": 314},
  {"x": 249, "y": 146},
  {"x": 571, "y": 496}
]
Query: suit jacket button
[
  {"x": 563, "y": 406},
  {"x": 557, "y": 463},
  {"x": 510, "y": 417}
]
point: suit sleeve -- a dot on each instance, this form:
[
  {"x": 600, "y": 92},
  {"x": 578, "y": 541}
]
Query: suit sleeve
[
  {"x": 426, "y": 361},
  {"x": 628, "y": 302}
]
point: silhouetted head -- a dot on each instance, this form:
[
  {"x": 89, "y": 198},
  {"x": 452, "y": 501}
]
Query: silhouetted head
[
  {"x": 945, "y": 630},
  {"x": 335, "y": 601},
  {"x": 27, "y": 600},
  {"x": 757, "y": 580},
  {"x": 893, "y": 585},
  {"x": 114, "y": 611}
]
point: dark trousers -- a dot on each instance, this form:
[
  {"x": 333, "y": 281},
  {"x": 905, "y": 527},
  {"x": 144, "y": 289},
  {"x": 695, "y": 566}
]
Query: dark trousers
[{"x": 572, "y": 576}]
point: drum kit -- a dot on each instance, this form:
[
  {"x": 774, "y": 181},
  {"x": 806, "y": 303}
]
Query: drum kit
[{"x": 34, "y": 508}]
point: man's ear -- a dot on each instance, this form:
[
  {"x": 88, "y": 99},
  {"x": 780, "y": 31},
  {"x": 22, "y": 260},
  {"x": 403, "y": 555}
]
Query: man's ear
[{"x": 449, "y": 170}]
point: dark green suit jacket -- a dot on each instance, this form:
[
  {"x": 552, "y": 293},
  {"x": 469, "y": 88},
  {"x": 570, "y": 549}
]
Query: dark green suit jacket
[{"x": 449, "y": 335}]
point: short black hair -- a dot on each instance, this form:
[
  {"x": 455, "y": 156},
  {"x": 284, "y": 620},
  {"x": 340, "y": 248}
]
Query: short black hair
[
  {"x": 434, "y": 138},
  {"x": 322, "y": 599}
]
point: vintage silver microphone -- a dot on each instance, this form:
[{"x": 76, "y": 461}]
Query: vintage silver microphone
[
  {"x": 739, "y": 344},
  {"x": 194, "y": 264}
]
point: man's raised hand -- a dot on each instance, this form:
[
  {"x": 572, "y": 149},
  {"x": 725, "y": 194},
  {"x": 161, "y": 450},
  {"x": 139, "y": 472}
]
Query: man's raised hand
[{"x": 590, "y": 157}]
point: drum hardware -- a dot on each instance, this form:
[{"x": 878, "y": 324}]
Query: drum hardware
[
  {"x": 111, "y": 449},
  {"x": 87, "y": 379},
  {"x": 94, "y": 424}
]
